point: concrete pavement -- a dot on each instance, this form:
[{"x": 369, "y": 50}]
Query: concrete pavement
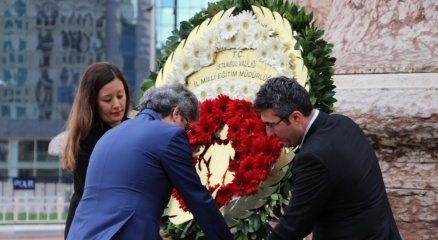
[{"x": 32, "y": 232}]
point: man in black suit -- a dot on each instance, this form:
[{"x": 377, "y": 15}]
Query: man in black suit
[{"x": 337, "y": 185}]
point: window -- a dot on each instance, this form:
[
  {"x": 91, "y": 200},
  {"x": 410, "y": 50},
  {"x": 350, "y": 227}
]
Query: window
[
  {"x": 167, "y": 18},
  {"x": 66, "y": 176},
  {"x": 167, "y": 3},
  {"x": 42, "y": 152},
  {"x": 25, "y": 151},
  {"x": 25, "y": 172},
  {"x": 4, "y": 174},
  {"x": 5, "y": 110},
  {"x": 47, "y": 175},
  {"x": 3, "y": 150}
]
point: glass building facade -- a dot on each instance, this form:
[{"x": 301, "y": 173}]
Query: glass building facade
[
  {"x": 170, "y": 13},
  {"x": 44, "y": 47}
]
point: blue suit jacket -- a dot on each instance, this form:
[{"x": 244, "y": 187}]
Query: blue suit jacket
[{"x": 131, "y": 173}]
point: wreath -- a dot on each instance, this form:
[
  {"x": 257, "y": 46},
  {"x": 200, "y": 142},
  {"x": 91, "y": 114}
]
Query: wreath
[
  {"x": 255, "y": 184},
  {"x": 255, "y": 153}
]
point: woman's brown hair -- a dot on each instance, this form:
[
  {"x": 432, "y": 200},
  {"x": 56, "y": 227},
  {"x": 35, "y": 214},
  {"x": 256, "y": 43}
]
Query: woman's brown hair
[{"x": 85, "y": 110}]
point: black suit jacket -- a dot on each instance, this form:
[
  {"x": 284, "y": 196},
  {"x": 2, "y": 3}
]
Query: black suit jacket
[
  {"x": 337, "y": 187},
  {"x": 85, "y": 149}
]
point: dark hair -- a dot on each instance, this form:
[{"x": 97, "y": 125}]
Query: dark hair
[
  {"x": 85, "y": 110},
  {"x": 165, "y": 99},
  {"x": 283, "y": 95}
]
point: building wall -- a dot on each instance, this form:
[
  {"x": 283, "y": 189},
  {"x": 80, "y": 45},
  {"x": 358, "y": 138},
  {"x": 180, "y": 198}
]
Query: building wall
[
  {"x": 167, "y": 21},
  {"x": 387, "y": 81},
  {"x": 44, "y": 48}
]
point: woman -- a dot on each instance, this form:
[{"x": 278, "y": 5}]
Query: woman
[{"x": 101, "y": 102}]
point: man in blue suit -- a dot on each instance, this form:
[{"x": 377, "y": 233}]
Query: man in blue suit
[
  {"x": 134, "y": 168},
  {"x": 337, "y": 186}
]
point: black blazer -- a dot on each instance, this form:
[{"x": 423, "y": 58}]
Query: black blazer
[
  {"x": 85, "y": 149},
  {"x": 337, "y": 187}
]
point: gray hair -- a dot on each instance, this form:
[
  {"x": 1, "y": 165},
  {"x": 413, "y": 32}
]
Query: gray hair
[{"x": 165, "y": 99}]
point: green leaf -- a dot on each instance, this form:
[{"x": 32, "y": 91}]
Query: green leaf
[
  {"x": 147, "y": 83},
  {"x": 263, "y": 216},
  {"x": 310, "y": 57},
  {"x": 256, "y": 223},
  {"x": 274, "y": 197}
]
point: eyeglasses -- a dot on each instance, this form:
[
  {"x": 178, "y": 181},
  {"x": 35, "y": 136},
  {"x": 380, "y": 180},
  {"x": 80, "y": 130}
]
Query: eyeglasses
[{"x": 273, "y": 124}]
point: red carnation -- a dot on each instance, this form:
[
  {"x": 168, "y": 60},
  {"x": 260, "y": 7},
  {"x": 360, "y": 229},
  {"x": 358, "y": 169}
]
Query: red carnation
[{"x": 255, "y": 153}]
